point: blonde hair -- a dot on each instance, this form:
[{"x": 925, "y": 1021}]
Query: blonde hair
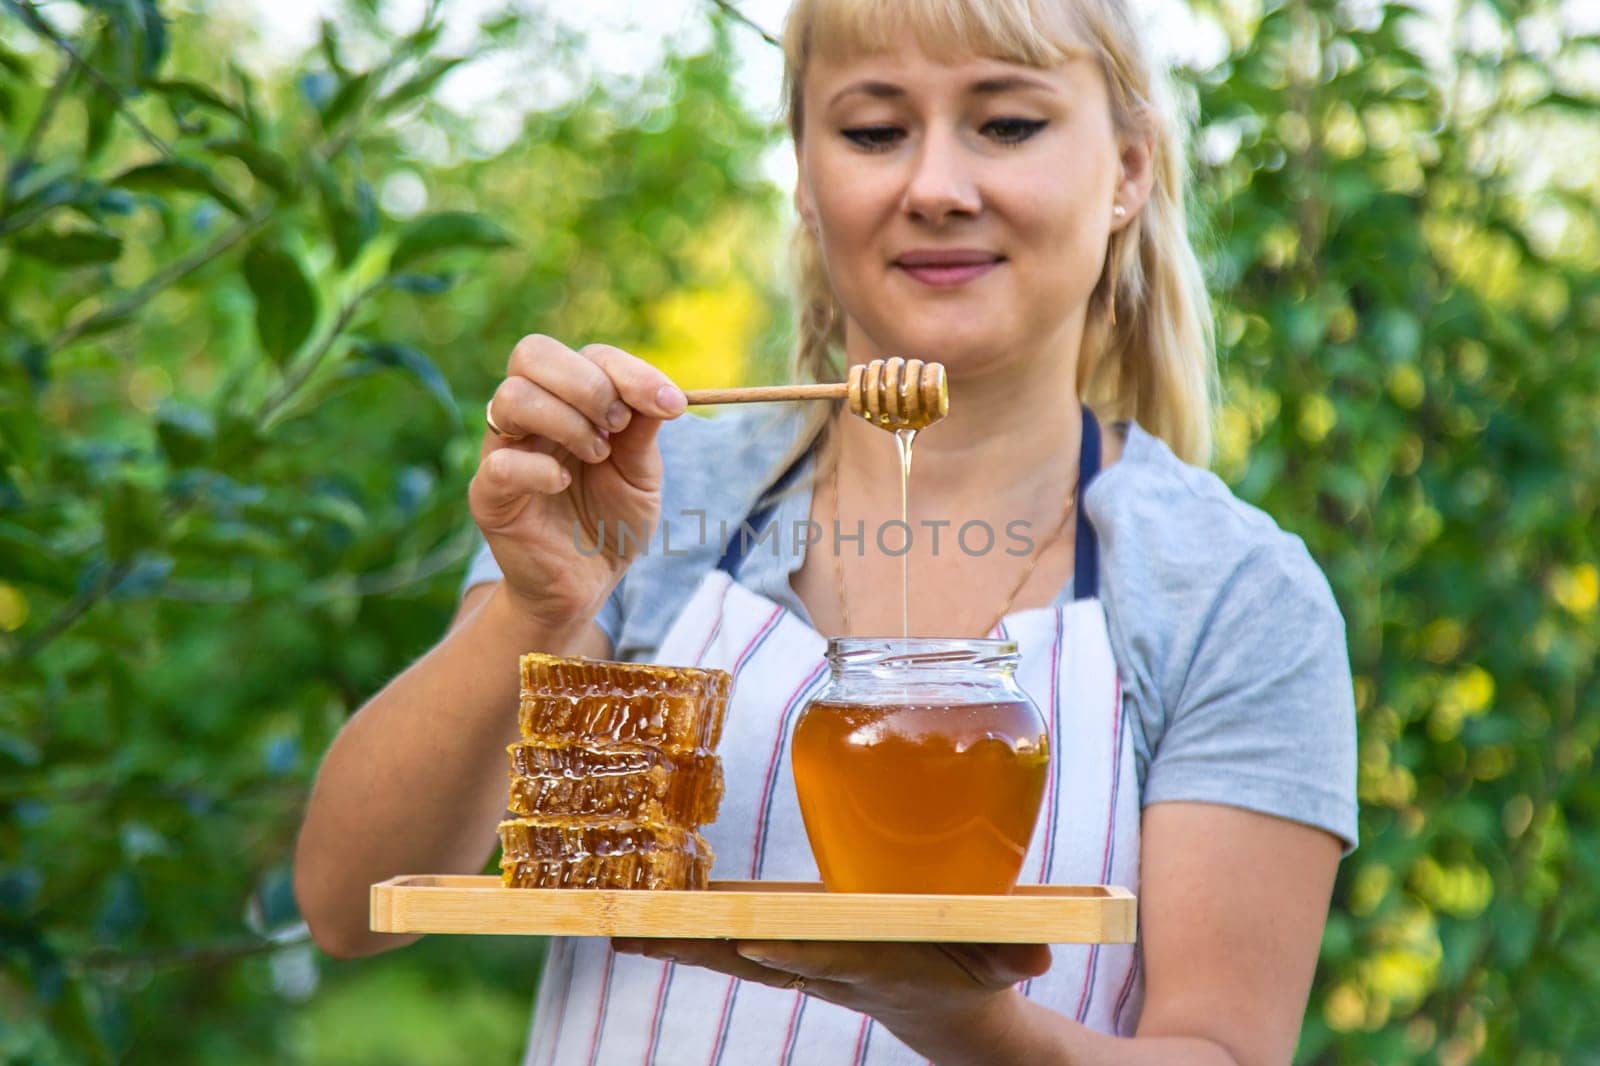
[{"x": 1152, "y": 361}]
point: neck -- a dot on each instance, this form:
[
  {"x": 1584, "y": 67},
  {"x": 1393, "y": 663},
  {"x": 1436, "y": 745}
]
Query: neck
[{"x": 1020, "y": 416}]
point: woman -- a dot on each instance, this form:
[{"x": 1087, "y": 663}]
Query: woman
[{"x": 994, "y": 186}]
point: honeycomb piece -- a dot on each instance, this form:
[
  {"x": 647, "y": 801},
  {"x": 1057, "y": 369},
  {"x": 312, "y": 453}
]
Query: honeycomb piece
[
  {"x": 656, "y": 870},
  {"x": 622, "y": 781},
  {"x": 545, "y": 853},
  {"x": 675, "y": 707},
  {"x": 546, "y": 838}
]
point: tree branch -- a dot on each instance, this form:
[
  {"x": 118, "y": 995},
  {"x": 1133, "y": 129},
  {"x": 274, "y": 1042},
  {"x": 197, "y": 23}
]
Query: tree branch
[
  {"x": 280, "y": 398},
  {"x": 174, "y": 273},
  {"x": 79, "y": 606},
  {"x": 30, "y": 144},
  {"x": 728, "y": 8},
  {"x": 387, "y": 582},
  {"x": 197, "y": 955},
  {"x": 37, "y": 23}
]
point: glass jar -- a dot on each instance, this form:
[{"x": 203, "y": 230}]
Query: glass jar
[{"x": 921, "y": 766}]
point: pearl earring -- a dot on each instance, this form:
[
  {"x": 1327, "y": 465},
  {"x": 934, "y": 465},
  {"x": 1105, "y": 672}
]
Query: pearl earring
[{"x": 1120, "y": 211}]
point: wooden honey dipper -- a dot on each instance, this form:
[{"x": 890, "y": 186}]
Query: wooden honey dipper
[{"x": 892, "y": 393}]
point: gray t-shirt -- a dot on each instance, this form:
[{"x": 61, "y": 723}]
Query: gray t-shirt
[{"x": 1229, "y": 643}]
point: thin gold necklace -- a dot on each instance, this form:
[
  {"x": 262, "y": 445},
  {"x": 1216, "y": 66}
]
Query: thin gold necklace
[{"x": 1027, "y": 571}]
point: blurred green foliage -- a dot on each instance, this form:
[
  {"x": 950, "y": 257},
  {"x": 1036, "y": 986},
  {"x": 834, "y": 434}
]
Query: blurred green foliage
[
  {"x": 1406, "y": 256},
  {"x": 239, "y": 403},
  {"x": 240, "y": 379}
]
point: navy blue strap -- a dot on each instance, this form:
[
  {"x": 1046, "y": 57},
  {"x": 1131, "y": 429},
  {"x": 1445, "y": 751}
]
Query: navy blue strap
[
  {"x": 734, "y": 551},
  {"x": 1086, "y": 564}
]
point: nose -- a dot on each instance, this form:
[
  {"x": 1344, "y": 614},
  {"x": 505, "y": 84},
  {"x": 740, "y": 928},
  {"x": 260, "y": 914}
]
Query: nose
[{"x": 941, "y": 183}]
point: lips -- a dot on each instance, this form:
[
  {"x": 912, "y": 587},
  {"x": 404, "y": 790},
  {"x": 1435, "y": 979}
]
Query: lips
[{"x": 947, "y": 267}]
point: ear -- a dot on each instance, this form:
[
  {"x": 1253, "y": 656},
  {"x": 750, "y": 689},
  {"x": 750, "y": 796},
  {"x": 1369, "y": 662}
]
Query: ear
[
  {"x": 804, "y": 204},
  {"x": 1136, "y": 175}
]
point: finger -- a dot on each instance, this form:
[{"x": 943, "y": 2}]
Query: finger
[
  {"x": 998, "y": 966},
  {"x": 635, "y": 456},
  {"x": 524, "y": 409},
  {"x": 832, "y": 961},
  {"x": 642, "y": 387},
  {"x": 990, "y": 966},
  {"x": 576, "y": 379},
  {"x": 507, "y": 478}
]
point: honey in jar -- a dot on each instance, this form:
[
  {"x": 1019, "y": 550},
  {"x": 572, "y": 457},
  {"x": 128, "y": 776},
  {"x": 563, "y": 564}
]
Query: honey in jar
[{"x": 921, "y": 767}]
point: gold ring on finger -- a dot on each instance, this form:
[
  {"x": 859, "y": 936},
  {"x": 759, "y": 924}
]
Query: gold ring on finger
[{"x": 488, "y": 418}]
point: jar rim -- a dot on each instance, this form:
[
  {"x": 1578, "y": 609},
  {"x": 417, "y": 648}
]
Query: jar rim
[{"x": 907, "y": 652}]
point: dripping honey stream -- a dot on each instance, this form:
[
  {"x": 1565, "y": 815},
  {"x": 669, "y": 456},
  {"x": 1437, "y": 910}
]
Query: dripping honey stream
[{"x": 902, "y": 396}]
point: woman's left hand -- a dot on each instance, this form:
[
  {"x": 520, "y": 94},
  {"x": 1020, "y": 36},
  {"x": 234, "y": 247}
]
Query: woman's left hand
[{"x": 917, "y": 991}]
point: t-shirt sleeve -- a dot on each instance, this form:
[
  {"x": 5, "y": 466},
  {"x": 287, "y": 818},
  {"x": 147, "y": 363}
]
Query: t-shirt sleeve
[
  {"x": 1264, "y": 715},
  {"x": 483, "y": 569}
]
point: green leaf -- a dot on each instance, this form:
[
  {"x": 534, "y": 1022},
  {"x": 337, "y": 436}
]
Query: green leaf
[
  {"x": 13, "y": 64},
  {"x": 177, "y": 174},
  {"x": 145, "y": 577},
  {"x": 350, "y": 225},
  {"x": 1584, "y": 107},
  {"x": 132, "y": 522},
  {"x": 347, "y": 99},
  {"x": 443, "y": 231},
  {"x": 328, "y": 42},
  {"x": 251, "y": 113},
  {"x": 186, "y": 434},
  {"x": 102, "y": 111},
  {"x": 363, "y": 213},
  {"x": 135, "y": 33},
  {"x": 182, "y": 95},
  {"x": 425, "y": 38},
  {"x": 11, "y": 498},
  {"x": 422, "y": 284},
  {"x": 19, "y": 887},
  {"x": 239, "y": 442},
  {"x": 268, "y": 167},
  {"x": 418, "y": 85},
  {"x": 55, "y": 192},
  {"x": 151, "y": 29},
  {"x": 74, "y": 247},
  {"x": 27, "y": 556},
  {"x": 286, "y": 301},
  {"x": 1515, "y": 925},
  {"x": 106, "y": 319},
  {"x": 417, "y": 364}
]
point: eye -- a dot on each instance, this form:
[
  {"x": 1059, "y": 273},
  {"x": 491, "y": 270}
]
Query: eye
[
  {"x": 874, "y": 138},
  {"x": 1013, "y": 130}
]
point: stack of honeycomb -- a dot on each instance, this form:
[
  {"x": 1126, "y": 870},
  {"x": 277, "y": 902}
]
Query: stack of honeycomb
[{"x": 613, "y": 776}]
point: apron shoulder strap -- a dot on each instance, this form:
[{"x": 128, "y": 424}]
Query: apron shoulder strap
[
  {"x": 734, "y": 551},
  {"x": 1086, "y": 567}
]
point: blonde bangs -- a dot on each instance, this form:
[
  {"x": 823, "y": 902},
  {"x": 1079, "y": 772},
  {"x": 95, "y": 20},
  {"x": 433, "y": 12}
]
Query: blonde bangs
[{"x": 1026, "y": 32}]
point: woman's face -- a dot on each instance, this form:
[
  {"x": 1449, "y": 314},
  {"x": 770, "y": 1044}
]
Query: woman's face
[{"x": 962, "y": 208}]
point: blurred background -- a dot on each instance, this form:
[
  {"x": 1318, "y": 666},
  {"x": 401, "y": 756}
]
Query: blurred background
[{"x": 260, "y": 264}]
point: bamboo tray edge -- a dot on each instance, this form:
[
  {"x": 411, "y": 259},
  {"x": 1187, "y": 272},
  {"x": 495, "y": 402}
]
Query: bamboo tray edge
[{"x": 754, "y": 910}]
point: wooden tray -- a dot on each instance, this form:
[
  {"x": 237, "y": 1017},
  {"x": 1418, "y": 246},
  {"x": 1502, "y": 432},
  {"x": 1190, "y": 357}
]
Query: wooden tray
[{"x": 755, "y": 910}]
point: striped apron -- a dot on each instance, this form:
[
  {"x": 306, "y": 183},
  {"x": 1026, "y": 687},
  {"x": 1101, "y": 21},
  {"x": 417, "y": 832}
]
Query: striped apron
[{"x": 597, "y": 1007}]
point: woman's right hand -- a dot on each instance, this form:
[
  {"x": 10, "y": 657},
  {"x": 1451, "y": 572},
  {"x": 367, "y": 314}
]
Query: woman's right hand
[{"x": 581, "y": 450}]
